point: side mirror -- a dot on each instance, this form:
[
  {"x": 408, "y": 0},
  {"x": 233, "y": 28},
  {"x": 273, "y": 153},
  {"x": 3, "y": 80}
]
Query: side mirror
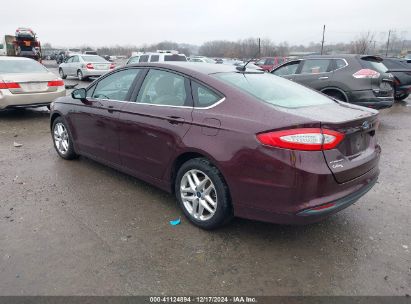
[{"x": 80, "y": 94}]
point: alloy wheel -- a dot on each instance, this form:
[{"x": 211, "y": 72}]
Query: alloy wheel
[
  {"x": 198, "y": 194},
  {"x": 61, "y": 138}
]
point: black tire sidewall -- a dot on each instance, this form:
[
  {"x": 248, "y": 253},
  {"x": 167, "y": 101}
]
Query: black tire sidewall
[
  {"x": 224, "y": 210},
  {"x": 71, "y": 154},
  {"x": 62, "y": 75},
  {"x": 80, "y": 78}
]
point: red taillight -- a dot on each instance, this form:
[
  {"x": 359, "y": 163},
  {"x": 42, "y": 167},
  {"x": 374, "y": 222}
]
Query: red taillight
[
  {"x": 112, "y": 66},
  {"x": 366, "y": 73},
  {"x": 89, "y": 66},
  {"x": 306, "y": 139},
  {"x": 9, "y": 85},
  {"x": 56, "y": 83},
  {"x": 322, "y": 207}
]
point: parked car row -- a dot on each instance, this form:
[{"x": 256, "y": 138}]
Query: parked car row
[{"x": 358, "y": 79}]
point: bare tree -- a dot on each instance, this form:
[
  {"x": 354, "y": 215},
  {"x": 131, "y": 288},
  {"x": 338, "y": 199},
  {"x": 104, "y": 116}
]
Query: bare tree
[{"x": 363, "y": 43}]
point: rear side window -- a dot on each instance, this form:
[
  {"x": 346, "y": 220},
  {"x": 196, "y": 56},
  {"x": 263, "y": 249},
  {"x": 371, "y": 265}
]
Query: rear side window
[
  {"x": 316, "y": 66},
  {"x": 154, "y": 58},
  {"x": 340, "y": 63},
  {"x": 133, "y": 60},
  {"x": 76, "y": 59},
  {"x": 203, "y": 96},
  {"x": 274, "y": 90},
  {"x": 163, "y": 88},
  {"x": 175, "y": 57},
  {"x": 269, "y": 61},
  {"x": 144, "y": 58}
]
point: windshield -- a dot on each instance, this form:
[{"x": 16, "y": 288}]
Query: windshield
[
  {"x": 21, "y": 66},
  {"x": 274, "y": 90},
  {"x": 374, "y": 65},
  {"x": 93, "y": 59}
]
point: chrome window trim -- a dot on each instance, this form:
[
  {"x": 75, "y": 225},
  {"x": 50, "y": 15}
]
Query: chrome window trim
[
  {"x": 346, "y": 64},
  {"x": 160, "y": 105}
]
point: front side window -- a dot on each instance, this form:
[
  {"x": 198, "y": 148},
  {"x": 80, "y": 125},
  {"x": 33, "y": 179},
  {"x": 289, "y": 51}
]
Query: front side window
[
  {"x": 274, "y": 90},
  {"x": 316, "y": 66},
  {"x": 204, "y": 97},
  {"x": 115, "y": 86},
  {"x": 287, "y": 69},
  {"x": 163, "y": 88}
]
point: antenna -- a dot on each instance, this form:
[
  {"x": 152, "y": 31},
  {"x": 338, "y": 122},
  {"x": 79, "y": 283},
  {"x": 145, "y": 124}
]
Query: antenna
[{"x": 242, "y": 68}]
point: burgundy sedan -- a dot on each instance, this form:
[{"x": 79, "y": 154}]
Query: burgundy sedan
[{"x": 228, "y": 142}]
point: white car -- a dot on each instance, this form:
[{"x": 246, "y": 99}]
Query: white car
[
  {"x": 159, "y": 56},
  {"x": 202, "y": 59},
  {"x": 26, "y": 83},
  {"x": 85, "y": 66}
]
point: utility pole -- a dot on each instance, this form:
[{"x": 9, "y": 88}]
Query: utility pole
[
  {"x": 259, "y": 47},
  {"x": 388, "y": 42},
  {"x": 322, "y": 42}
]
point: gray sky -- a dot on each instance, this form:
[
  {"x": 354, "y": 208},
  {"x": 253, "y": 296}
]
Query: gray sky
[{"x": 98, "y": 23}]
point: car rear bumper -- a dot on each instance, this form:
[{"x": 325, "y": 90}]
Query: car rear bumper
[
  {"x": 367, "y": 98},
  {"x": 94, "y": 72},
  {"x": 9, "y": 100},
  {"x": 281, "y": 186}
]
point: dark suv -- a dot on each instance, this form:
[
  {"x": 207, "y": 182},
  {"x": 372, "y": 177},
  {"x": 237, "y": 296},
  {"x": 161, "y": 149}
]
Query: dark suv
[
  {"x": 402, "y": 80},
  {"x": 358, "y": 79}
]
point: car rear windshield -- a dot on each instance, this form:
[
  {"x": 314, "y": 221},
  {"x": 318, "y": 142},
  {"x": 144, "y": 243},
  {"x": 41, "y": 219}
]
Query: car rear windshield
[
  {"x": 175, "y": 58},
  {"x": 21, "y": 66},
  {"x": 373, "y": 64},
  {"x": 93, "y": 59},
  {"x": 274, "y": 90}
]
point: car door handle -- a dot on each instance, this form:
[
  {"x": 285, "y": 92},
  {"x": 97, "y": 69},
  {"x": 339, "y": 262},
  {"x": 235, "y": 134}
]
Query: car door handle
[
  {"x": 110, "y": 109},
  {"x": 174, "y": 120},
  {"x": 323, "y": 77}
]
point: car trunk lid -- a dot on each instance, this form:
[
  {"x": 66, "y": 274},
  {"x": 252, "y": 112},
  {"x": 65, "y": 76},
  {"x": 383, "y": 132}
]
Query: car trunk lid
[
  {"x": 358, "y": 152},
  {"x": 30, "y": 82}
]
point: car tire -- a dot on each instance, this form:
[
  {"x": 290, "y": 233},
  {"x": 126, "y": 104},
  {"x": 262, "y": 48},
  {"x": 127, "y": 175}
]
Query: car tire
[
  {"x": 401, "y": 97},
  {"x": 206, "y": 200},
  {"x": 80, "y": 75},
  {"x": 336, "y": 95},
  {"x": 62, "y": 75},
  {"x": 63, "y": 142}
]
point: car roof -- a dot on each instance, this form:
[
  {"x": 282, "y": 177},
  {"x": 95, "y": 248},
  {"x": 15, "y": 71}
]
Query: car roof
[
  {"x": 13, "y": 58},
  {"x": 192, "y": 67}
]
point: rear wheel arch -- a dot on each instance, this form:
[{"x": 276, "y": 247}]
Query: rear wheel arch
[
  {"x": 334, "y": 92},
  {"x": 185, "y": 157}
]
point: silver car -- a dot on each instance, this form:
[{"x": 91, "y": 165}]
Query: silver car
[
  {"x": 85, "y": 66},
  {"x": 26, "y": 83}
]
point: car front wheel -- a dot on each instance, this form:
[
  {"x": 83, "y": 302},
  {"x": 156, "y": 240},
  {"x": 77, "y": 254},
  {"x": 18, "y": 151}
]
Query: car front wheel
[
  {"x": 62, "y": 75},
  {"x": 203, "y": 194},
  {"x": 63, "y": 142}
]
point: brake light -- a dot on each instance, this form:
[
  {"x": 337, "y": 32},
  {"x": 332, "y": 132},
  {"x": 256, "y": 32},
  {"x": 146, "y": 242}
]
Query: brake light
[
  {"x": 112, "y": 66},
  {"x": 89, "y": 66},
  {"x": 9, "y": 85},
  {"x": 306, "y": 139},
  {"x": 56, "y": 83},
  {"x": 366, "y": 73}
]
